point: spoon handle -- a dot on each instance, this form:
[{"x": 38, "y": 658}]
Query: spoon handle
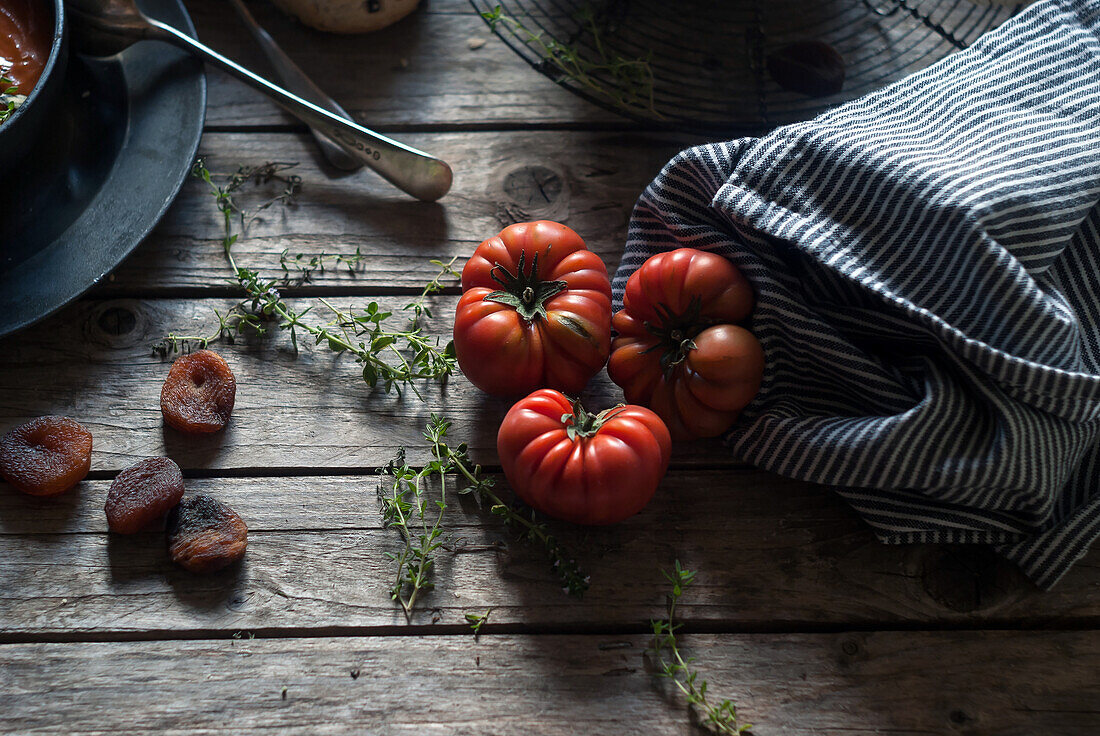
[
  {"x": 298, "y": 82},
  {"x": 421, "y": 175}
]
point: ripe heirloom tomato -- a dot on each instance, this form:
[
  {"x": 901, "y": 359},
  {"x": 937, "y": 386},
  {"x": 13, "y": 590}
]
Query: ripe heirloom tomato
[
  {"x": 535, "y": 311},
  {"x": 678, "y": 352},
  {"x": 581, "y": 467}
]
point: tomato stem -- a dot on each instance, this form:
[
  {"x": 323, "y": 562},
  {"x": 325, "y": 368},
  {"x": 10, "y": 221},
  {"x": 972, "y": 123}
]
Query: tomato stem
[
  {"x": 523, "y": 290},
  {"x": 676, "y": 333},
  {"x": 581, "y": 423}
]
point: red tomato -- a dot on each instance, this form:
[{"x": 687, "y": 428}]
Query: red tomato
[
  {"x": 581, "y": 467},
  {"x": 678, "y": 352},
  {"x": 535, "y": 311}
]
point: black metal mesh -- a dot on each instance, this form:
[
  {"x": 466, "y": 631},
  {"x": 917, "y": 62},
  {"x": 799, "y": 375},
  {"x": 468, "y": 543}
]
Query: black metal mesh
[{"x": 704, "y": 60}]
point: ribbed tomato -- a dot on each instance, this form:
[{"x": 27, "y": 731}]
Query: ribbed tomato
[
  {"x": 677, "y": 350},
  {"x": 581, "y": 467},
  {"x": 535, "y": 311}
]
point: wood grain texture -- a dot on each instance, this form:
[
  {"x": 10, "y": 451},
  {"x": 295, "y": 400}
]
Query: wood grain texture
[
  {"x": 771, "y": 554},
  {"x": 299, "y": 462},
  {"x": 903, "y": 683},
  {"x": 419, "y": 72},
  {"x": 94, "y": 362},
  {"x": 588, "y": 181}
]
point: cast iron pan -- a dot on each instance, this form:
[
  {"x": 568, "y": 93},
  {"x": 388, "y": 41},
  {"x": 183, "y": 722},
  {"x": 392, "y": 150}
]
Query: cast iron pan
[{"x": 102, "y": 173}]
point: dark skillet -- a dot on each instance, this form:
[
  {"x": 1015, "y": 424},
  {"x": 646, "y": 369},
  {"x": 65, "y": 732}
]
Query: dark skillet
[{"x": 106, "y": 164}]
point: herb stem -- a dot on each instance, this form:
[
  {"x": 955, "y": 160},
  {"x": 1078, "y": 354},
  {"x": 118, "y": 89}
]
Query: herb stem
[
  {"x": 574, "y": 581},
  {"x": 366, "y": 336},
  {"x": 723, "y": 717}
]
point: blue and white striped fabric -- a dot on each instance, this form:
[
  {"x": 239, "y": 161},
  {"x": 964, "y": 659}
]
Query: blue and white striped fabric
[{"x": 927, "y": 268}]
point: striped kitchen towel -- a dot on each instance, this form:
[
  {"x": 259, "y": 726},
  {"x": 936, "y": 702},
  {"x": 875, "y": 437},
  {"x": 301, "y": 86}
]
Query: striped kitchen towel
[{"x": 927, "y": 267}]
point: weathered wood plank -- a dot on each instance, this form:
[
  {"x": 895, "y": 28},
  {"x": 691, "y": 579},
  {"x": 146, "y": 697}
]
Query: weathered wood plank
[
  {"x": 771, "y": 553},
  {"x": 417, "y": 73},
  {"x": 589, "y": 181},
  {"x": 94, "y": 362},
  {"x": 423, "y": 73},
  {"x": 892, "y": 682}
]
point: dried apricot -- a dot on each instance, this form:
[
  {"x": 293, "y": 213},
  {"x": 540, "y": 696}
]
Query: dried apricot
[
  {"x": 46, "y": 456},
  {"x": 143, "y": 493},
  {"x": 205, "y": 535},
  {"x": 198, "y": 395}
]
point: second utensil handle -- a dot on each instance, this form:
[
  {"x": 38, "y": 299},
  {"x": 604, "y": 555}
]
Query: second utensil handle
[
  {"x": 298, "y": 82},
  {"x": 421, "y": 175}
]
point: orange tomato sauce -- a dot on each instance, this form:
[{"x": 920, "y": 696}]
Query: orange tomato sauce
[{"x": 26, "y": 28}]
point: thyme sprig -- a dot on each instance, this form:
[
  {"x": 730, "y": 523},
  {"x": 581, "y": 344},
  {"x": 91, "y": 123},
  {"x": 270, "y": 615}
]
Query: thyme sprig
[
  {"x": 246, "y": 315},
  {"x": 419, "y": 306},
  {"x": 405, "y": 506},
  {"x": 632, "y": 79},
  {"x": 262, "y": 174},
  {"x": 477, "y": 620},
  {"x": 671, "y": 664},
  {"x": 299, "y": 268},
  {"x": 367, "y": 335},
  {"x": 521, "y": 519}
]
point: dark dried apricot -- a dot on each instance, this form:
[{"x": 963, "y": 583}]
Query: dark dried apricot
[
  {"x": 198, "y": 394},
  {"x": 143, "y": 493},
  {"x": 205, "y": 535},
  {"x": 46, "y": 456}
]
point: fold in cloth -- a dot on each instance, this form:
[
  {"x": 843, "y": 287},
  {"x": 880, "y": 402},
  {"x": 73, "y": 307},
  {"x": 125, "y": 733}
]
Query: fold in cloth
[{"x": 926, "y": 261}]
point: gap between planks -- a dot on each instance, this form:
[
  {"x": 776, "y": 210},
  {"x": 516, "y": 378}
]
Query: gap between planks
[{"x": 488, "y": 630}]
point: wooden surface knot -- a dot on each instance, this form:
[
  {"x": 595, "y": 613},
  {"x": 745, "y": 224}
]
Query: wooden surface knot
[
  {"x": 969, "y": 578},
  {"x": 959, "y": 717},
  {"x": 853, "y": 650},
  {"x": 533, "y": 186},
  {"x": 116, "y": 324},
  {"x": 531, "y": 192},
  {"x": 239, "y": 601},
  {"x": 117, "y": 320}
]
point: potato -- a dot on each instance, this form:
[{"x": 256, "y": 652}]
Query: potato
[{"x": 348, "y": 16}]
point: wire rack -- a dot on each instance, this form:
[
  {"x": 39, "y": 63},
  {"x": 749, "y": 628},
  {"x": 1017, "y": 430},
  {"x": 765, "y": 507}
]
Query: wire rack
[{"x": 705, "y": 64}]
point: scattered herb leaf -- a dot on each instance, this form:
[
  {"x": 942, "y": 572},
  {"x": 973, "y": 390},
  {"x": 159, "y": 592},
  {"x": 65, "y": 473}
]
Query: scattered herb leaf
[
  {"x": 299, "y": 269},
  {"x": 671, "y": 664},
  {"x": 476, "y": 621}
]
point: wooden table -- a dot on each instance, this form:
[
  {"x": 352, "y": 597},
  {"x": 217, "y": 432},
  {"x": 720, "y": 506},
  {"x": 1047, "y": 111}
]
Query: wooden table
[{"x": 798, "y": 614}]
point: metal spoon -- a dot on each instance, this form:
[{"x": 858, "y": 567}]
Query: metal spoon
[
  {"x": 295, "y": 80},
  {"x": 106, "y": 27}
]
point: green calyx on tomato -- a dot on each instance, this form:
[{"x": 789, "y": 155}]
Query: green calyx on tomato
[
  {"x": 580, "y": 423},
  {"x": 580, "y": 467},
  {"x": 524, "y": 291},
  {"x": 680, "y": 350},
  {"x": 535, "y": 311},
  {"x": 676, "y": 333}
]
